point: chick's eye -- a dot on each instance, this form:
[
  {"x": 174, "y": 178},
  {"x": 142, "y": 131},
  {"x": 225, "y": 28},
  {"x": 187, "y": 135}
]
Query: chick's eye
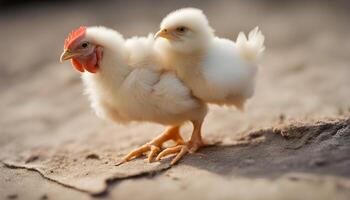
[
  {"x": 84, "y": 45},
  {"x": 181, "y": 29}
]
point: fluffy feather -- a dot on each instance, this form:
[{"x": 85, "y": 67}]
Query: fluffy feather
[
  {"x": 252, "y": 48},
  {"x": 125, "y": 93},
  {"x": 181, "y": 18},
  {"x": 218, "y": 71}
]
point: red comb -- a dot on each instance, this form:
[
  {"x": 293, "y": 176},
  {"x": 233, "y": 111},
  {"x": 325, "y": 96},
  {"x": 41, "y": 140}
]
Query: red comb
[{"x": 74, "y": 35}]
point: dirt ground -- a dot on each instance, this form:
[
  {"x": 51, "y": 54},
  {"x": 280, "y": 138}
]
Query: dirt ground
[{"x": 291, "y": 142}]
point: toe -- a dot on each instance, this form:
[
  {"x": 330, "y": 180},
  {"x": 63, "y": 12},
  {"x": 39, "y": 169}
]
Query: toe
[
  {"x": 121, "y": 162},
  {"x": 168, "y": 151},
  {"x": 154, "y": 151},
  {"x": 182, "y": 152},
  {"x": 136, "y": 153}
]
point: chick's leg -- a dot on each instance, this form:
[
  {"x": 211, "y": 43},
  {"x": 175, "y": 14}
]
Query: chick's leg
[
  {"x": 171, "y": 133},
  {"x": 192, "y": 146}
]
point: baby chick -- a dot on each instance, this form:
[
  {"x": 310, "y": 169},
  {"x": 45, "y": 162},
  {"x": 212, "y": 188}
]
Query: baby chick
[{"x": 218, "y": 70}]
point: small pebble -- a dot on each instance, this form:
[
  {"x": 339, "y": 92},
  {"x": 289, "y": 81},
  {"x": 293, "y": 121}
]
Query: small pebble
[
  {"x": 31, "y": 158},
  {"x": 281, "y": 118},
  {"x": 12, "y": 196},
  {"x": 293, "y": 178},
  {"x": 44, "y": 197},
  {"x": 92, "y": 156}
]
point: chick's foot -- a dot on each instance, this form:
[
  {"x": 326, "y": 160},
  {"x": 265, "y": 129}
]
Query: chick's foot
[
  {"x": 172, "y": 133},
  {"x": 181, "y": 150}
]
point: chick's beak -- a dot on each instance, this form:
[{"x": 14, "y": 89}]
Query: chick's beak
[
  {"x": 164, "y": 33},
  {"x": 67, "y": 54}
]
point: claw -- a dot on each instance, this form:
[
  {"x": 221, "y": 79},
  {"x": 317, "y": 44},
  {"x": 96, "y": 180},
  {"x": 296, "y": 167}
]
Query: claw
[
  {"x": 136, "y": 153},
  {"x": 120, "y": 162},
  {"x": 154, "y": 151},
  {"x": 168, "y": 151},
  {"x": 155, "y": 145},
  {"x": 181, "y": 150}
]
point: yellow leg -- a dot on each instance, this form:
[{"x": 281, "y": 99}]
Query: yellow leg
[
  {"x": 192, "y": 146},
  {"x": 171, "y": 133}
]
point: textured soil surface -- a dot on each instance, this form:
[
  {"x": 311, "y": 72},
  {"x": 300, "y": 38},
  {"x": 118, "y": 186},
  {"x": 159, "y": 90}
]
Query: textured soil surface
[{"x": 291, "y": 142}]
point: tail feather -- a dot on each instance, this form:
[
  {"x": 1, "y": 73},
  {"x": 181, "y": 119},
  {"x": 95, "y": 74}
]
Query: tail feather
[{"x": 251, "y": 48}]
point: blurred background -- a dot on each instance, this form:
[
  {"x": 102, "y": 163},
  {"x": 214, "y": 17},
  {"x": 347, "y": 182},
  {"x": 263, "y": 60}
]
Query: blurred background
[
  {"x": 304, "y": 74},
  {"x": 307, "y": 44}
]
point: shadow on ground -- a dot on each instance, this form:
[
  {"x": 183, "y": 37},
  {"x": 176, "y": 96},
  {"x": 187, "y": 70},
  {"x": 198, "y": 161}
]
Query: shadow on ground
[{"x": 321, "y": 148}]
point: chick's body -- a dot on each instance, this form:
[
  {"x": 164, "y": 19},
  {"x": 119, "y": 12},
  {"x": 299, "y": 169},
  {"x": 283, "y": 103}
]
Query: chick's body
[
  {"x": 127, "y": 83},
  {"x": 219, "y": 76},
  {"x": 127, "y": 93},
  {"x": 217, "y": 70}
]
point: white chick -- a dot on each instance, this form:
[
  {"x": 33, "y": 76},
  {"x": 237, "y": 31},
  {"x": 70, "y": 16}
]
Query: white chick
[
  {"x": 217, "y": 70},
  {"x": 125, "y": 83}
]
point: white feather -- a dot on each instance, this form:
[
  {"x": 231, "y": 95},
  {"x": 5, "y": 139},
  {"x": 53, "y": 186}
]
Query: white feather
[
  {"x": 140, "y": 92},
  {"x": 251, "y": 49},
  {"x": 220, "y": 71}
]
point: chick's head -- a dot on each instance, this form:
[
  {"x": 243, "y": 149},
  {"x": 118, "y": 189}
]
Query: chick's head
[
  {"x": 187, "y": 30},
  {"x": 84, "y": 53}
]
